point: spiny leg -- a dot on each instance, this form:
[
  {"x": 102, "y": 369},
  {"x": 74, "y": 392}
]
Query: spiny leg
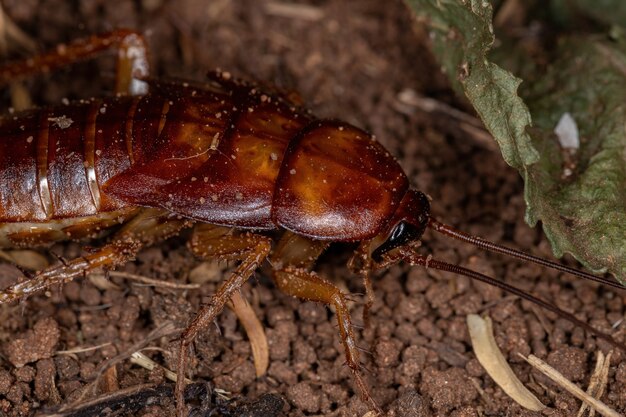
[
  {"x": 132, "y": 59},
  {"x": 210, "y": 241},
  {"x": 294, "y": 279},
  {"x": 361, "y": 263},
  {"x": 147, "y": 227}
]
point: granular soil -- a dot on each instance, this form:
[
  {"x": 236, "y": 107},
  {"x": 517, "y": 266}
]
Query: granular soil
[{"x": 349, "y": 60}]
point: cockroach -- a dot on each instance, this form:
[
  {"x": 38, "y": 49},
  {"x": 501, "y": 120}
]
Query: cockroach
[{"x": 231, "y": 159}]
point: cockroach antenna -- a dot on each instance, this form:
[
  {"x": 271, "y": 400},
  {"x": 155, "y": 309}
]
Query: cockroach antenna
[
  {"x": 495, "y": 247},
  {"x": 481, "y": 243}
]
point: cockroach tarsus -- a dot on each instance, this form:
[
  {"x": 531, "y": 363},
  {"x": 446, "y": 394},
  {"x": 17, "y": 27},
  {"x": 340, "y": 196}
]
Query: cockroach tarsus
[{"x": 227, "y": 158}]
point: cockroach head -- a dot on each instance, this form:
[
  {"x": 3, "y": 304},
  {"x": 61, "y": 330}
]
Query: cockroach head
[{"x": 407, "y": 225}]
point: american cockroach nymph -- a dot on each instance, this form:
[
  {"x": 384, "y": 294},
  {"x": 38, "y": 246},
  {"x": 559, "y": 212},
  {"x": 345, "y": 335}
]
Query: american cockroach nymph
[{"x": 226, "y": 158}]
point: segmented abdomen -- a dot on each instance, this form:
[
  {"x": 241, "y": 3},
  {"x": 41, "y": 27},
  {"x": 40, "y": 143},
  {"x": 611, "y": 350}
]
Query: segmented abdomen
[
  {"x": 218, "y": 156},
  {"x": 265, "y": 164},
  {"x": 48, "y": 160},
  {"x": 222, "y": 153}
]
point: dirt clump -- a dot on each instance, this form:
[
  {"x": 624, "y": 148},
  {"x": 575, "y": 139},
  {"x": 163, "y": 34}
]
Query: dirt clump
[{"x": 33, "y": 345}]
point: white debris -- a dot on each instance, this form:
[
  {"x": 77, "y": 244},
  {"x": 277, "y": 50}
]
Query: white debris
[
  {"x": 567, "y": 132},
  {"x": 63, "y": 122}
]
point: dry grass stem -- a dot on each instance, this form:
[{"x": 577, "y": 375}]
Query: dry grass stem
[
  {"x": 597, "y": 382},
  {"x": 165, "y": 329},
  {"x": 559, "y": 379},
  {"x": 466, "y": 122},
  {"x": 151, "y": 281},
  {"x": 80, "y": 349},
  {"x": 12, "y": 37},
  {"x": 294, "y": 11}
]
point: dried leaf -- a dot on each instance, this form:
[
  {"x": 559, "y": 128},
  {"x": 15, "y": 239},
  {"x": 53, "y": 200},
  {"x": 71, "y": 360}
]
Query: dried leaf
[
  {"x": 25, "y": 258},
  {"x": 109, "y": 381},
  {"x": 142, "y": 360},
  {"x": 209, "y": 271},
  {"x": 490, "y": 357},
  {"x": 255, "y": 331},
  {"x": 102, "y": 282}
]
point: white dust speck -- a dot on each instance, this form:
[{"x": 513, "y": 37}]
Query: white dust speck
[{"x": 63, "y": 122}]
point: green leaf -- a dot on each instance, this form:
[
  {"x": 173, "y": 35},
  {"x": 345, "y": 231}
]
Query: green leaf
[
  {"x": 610, "y": 12},
  {"x": 462, "y": 35},
  {"x": 583, "y": 213}
]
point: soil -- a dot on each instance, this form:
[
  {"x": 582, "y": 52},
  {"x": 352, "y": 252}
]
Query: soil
[{"x": 349, "y": 60}]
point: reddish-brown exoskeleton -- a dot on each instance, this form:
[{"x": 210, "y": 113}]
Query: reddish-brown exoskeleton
[{"x": 226, "y": 157}]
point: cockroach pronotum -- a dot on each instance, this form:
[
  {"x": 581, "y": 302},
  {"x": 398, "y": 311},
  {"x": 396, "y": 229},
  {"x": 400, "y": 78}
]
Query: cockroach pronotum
[{"x": 229, "y": 158}]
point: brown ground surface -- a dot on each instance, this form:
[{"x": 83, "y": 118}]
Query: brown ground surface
[{"x": 348, "y": 60}]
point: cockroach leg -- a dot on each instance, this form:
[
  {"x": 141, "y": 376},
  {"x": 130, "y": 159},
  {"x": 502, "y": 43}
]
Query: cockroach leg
[
  {"x": 369, "y": 296},
  {"x": 309, "y": 286},
  {"x": 361, "y": 263},
  {"x": 224, "y": 243},
  {"x": 210, "y": 241},
  {"x": 148, "y": 227},
  {"x": 132, "y": 60},
  {"x": 301, "y": 283}
]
